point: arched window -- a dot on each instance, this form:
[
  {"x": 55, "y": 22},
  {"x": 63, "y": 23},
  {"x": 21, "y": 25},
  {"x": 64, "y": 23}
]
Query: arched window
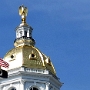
[
  {"x": 12, "y": 88},
  {"x": 34, "y": 88}
]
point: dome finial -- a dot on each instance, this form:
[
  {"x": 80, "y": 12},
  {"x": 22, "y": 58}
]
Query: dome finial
[{"x": 23, "y": 13}]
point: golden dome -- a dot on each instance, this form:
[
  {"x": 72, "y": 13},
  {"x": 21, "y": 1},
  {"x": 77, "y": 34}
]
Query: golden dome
[
  {"x": 25, "y": 54},
  {"x": 30, "y": 57}
]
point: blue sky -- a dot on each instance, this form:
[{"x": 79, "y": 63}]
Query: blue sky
[{"x": 61, "y": 30}]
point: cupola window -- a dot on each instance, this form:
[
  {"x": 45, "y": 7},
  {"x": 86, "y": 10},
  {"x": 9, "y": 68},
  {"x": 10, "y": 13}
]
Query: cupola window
[
  {"x": 25, "y": 33},
  {"x": 20, "y": 33}
]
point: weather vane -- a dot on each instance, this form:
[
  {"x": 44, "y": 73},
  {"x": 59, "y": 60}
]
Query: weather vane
[{"x": 23, "y": 13}]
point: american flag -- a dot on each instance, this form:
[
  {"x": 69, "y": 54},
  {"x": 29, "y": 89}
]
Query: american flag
[{"x": 3, "y": 63}]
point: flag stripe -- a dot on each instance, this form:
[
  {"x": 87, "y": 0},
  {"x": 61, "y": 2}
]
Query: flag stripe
[{"x": 3, "y": 63}]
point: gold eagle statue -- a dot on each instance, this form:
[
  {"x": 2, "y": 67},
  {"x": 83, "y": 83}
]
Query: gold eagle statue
[{"x": 23, "y": 13}]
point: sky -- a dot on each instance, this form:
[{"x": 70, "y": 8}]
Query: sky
[{"x": 61, "y": 29}]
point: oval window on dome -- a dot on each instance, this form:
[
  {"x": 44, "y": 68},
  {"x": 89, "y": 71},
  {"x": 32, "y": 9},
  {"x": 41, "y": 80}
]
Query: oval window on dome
[{"x": 32, "y": 56}]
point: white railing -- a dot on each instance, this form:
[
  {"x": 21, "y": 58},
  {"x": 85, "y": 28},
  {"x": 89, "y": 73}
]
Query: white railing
[
  {"x": 36, "y": 70},
  {"x": 23, "y": 69}
]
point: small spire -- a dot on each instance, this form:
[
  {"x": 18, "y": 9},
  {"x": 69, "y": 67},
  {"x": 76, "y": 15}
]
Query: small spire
[
  {"x": 23, "y": 13},
  {"x": 24, "y": 31}
]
